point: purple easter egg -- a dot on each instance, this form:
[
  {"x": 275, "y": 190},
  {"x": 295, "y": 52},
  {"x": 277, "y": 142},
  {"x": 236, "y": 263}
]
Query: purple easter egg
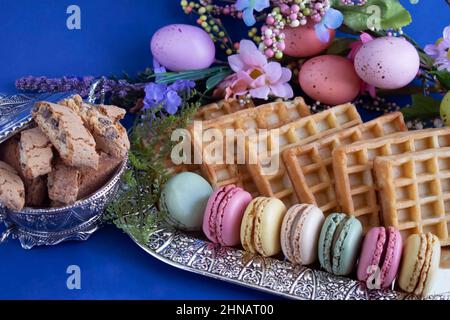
[{"x": 182, "y": 47}]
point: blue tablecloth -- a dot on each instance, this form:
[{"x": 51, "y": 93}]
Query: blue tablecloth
[{"x": 114, "y": 37}]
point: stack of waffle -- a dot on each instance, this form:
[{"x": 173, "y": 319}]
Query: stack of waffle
[{"x": 376, "y": 171}]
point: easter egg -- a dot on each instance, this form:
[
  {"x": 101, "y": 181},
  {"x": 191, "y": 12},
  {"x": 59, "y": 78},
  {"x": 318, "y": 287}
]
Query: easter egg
[
  {"x": 303, "y": 41},
  {"x": 181, "y": 47},
  {"x": 330, "y": 79},
  {"x": 387, "y": 62},
  {"x": 445, "y": 109}
]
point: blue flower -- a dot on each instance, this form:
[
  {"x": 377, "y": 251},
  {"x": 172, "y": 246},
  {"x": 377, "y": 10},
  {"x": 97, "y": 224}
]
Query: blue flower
[
  {"x": 333, "y": 19},
  {"x": 173, "y": 102},
  {"x": 248, "y": 6},
  {"x": 182, "y": 85},
  {"x": 168, "y": 98}
]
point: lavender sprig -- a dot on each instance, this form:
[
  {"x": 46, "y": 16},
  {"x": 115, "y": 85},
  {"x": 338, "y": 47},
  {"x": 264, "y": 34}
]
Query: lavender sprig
[{"x": 81, "y": 85}]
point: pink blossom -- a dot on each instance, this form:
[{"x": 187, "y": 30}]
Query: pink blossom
[
  {"x": 440, "y": 51},
  {"x": 256, "y": 76},
  {"x": 355, "y": 46}
]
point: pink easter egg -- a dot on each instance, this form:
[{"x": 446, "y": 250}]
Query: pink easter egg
[
  {"x": 387, "y": 62},
  {"x": 182, "y": 47},
  {"x": 303, "y": 42},
  {"x": 330, "y": 79}
]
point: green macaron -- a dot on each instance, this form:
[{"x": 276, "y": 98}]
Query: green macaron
[
  {"x": 339, "y": 244},
  {"x": 184, "y": 197}
]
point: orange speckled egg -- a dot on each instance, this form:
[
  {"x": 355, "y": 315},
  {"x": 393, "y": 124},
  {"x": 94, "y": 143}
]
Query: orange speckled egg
[
  {"x": 330, "y": 79},
  {"x": 302, "y": 42}
]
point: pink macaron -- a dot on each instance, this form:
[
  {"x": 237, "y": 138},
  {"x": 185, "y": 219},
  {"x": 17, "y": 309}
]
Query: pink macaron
[
  {"x": 380, "y": 257},
  {"x": 224, "y": 213}
]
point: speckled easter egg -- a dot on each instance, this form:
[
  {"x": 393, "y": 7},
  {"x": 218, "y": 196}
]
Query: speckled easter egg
[
  {"x": 181, "y": 47},
  {"x": 330, "y": 79},
  {"x": 445, "y": 109},
  {"x": 387, "y": 62},
  {"x": 303, "y": 42}
]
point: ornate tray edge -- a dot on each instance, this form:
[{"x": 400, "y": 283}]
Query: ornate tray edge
[
  {"x": 305, "y": 283},
  {"x": 206, "y": 274}
]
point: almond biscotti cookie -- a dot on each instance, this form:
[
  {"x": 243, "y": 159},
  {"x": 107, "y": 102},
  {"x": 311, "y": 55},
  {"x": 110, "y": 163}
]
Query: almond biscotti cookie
[
  {"x": 12, "y": 190},
  {"x": 114, "y": 113},
  {"x": 66, "y": 131},
  {"x": 110, "y": 136},
  {"x": 35, "y": 189},
  {"x": 63, "y": 183},
  {"x": 92, "y": 180},
  {"x": 35, "y": 153}
]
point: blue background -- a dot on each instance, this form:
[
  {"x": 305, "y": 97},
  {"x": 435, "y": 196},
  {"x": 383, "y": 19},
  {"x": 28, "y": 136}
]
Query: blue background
[{"x": 114, "y": 38}]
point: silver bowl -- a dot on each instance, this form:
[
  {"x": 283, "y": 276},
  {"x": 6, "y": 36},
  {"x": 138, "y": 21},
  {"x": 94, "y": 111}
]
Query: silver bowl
[{"x": 37, "y": 227}]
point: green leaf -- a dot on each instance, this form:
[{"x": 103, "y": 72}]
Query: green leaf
[
  {"x": 213, "y": 81},
  {"x": 193, "y": 75},
  {"x": 392, "y": 14},
  {"x": 423, "y": 107},
  {"x": 426, "y": 59},
  {"x": 444, "y": 78},
  {"x": 340, "y": 46}
]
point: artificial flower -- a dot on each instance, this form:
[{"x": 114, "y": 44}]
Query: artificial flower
[
  {"x": 168, "y": 98},
  {"x": 333, "y": 19},
  {"x": 248, "y": 6},
  {"x": 256, "y": 76},
  {"x": 355, "y": 46},
  {"x": 440, "y": 51}
]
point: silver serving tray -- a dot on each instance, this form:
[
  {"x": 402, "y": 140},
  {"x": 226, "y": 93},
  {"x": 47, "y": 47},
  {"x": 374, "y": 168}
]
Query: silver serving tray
[
  {"x": 192, "y": 253},
  {"x": 38, "y": 227}
]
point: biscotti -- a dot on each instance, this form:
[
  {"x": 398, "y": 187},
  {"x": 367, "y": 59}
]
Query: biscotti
[
  {"x": 35, "y": 189},
  {"x": 63, "y": 183},
  {"x": 12, "y": 190},
  {"x": 35, "y": 153},
  {"x": 114, "y": 113},
  {"x": 92, "y": 180},
  {"x": 110, "y": 136},
  {"x": 66, "y": 131}
]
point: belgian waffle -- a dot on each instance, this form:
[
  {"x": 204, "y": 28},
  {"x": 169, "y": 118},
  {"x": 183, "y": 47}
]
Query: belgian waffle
[
  {"x": 310, "y": 167},
  {"x": 220, "y": 109},
  {"x": 414, "y": 192},
  {"x": 353, "y": 168},
  {"x": 268, "y": 116},
  {"x": 267, "y": 169}
]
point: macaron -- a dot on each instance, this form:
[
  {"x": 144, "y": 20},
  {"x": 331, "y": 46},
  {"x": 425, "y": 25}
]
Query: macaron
[
  {"x": 381, "y": 252},
  {"x": 420, "y": 264},
  {"x": 300, "y": 233},
  {"x": 261, "y": 226},
  {"x": 223, "y": 215},
  {"x": 339, "y": 243},
  {"x": 184, "y": 198}
]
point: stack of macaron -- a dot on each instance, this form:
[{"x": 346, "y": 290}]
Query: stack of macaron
[{"x": 230, "y": 217}]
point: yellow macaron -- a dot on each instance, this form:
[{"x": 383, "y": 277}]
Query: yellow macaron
[
  {"x": 261, "y": 226},
  {"x": 420, "y": 263}
]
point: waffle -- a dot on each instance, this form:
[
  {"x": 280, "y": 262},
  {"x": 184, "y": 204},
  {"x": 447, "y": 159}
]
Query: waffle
[
  {"x": 353, "y": 168},
  {"x": 268, "y": 116},
  {"x": 310, "y": 167},
  {"x": 414, "y": 190},
  {"x": 219, "y": 109},
  {"x": 266, "y": 167},
  {"x": 207, "y": 112}
]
